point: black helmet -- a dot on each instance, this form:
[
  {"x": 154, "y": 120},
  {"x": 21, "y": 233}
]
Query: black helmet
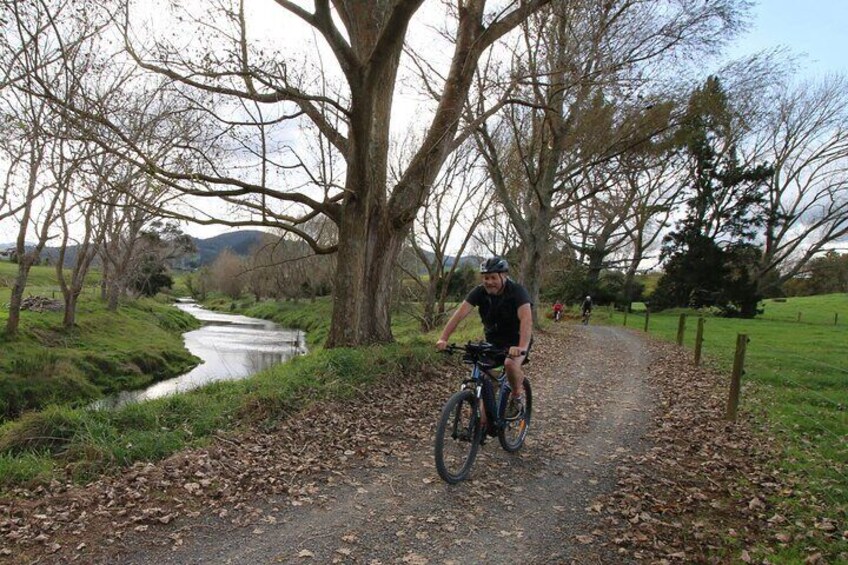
[{"x": 494, "y": 265}]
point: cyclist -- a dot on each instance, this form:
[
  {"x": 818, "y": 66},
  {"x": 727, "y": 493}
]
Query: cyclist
[
  {"x": 557, "y": 311},
  {"x": 586, "y": 308},
  {"x": 507, "y": 316}
]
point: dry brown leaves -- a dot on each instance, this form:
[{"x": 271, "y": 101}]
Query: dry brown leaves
[
  {"x": 306, "y": 451},
  {"x": 700, "y": 493}
]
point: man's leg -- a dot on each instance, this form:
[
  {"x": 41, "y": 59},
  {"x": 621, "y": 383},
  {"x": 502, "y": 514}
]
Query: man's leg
[
  {"x": 515, "y": 374},
  {"x": 516, "y": 381}
]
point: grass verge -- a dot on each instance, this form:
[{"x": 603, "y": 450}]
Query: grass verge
[
  {"x": 84, "y": 442},
  {"x": 794, "y": 385},
  {"x": 105, "y": 353}
]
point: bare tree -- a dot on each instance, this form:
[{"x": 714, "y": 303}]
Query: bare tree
[
  {"x": 447, "y": 222},
  {"x": 352, "y": 114},
  {"x": 658, "y": 187},
  {"x": 625, "y": 218},
  {"x": 586, "y": 66},
  {"x": 132, "y": 199},
  {"x": 228, "y": 274},
  {"x": 33, "y": 44},
  {"x": 37, "y": 189},
  {"x": 79, "y": 204},
  {"x": 806, "y": 136},
  {"x": 283, "y": 266}
]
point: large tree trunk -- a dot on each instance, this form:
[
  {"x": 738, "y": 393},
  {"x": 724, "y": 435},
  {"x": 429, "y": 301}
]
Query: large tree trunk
[
  {"x": 369, "y": 239},
  {"x": 534, "y": 249},
  {"x": 383, "y": 250},
  {"x": 362, "y": 292},
  {"x": 16, "y": 298}
]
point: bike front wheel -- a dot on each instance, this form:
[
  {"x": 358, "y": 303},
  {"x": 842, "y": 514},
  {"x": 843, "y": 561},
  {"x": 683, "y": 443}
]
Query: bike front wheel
[
  {"x": 458, "y": 437},
  {"x": 514, "y": 430}
]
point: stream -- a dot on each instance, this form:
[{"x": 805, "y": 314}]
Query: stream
[{"x": 231, "y": 347}]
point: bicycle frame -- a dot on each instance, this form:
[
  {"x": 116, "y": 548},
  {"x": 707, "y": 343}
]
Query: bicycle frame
[
  {"x": 461, "y": 418},
  {"x": 483, "y": 386},
  {"x": 484, "y": 391}
]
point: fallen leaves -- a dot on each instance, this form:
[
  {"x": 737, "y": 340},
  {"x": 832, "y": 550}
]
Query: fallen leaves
[
  {"x": 63, "y": 518},
  {"x": 703, "y": 486}
]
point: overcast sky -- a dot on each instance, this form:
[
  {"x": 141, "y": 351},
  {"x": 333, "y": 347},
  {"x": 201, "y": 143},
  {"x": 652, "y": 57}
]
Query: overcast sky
[{"x": 813, "y": 29}]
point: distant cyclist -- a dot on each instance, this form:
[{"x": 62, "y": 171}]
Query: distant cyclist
[
  {"x": 506, "y": 312},
  {"x": 586, "y": 309},
  {"x": 557, "y": 311}
]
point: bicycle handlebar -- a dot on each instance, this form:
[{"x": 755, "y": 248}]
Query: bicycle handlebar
[{"x": 478, "y": 348}]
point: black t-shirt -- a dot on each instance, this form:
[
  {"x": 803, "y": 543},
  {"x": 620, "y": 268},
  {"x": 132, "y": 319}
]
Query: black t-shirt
[{"x": 499, "y": 312}]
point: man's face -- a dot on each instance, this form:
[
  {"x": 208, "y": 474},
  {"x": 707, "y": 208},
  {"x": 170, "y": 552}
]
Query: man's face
[{"x": 493, "y": 282}]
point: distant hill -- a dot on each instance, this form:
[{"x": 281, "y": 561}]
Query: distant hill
[
  {"x": 239, "y": 242},
  {"x": 208, "y": 249}
]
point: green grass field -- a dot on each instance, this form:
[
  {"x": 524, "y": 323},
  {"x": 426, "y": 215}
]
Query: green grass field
[{"x": 796, "y": 380}]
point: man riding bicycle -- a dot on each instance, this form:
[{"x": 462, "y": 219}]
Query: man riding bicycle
[
  {"x": 507, "y": 316},
  {"x": 587, "y": 307},
  {"x": 557, "y": 310}
]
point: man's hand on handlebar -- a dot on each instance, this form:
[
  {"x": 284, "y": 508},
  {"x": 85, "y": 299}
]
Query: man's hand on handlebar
[
  {"x": 515, "y": 351},
  {"x": 442, "y": 344}
]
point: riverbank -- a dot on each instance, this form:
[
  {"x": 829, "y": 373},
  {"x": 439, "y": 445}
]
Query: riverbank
[
  {"x": 76, "y": 445},
  {"x": 107, "y": 352}
]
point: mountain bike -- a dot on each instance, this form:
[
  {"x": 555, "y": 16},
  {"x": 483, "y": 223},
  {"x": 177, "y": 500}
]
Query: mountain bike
[
  {"x": 586, "y": 315},
  {"x": 557, "y": 315},
  {"x": 460, "y": 432}
]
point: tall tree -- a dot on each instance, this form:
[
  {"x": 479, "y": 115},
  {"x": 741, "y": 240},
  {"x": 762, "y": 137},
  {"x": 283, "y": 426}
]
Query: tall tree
[
  {"x": 806, "y": 135},
  {"x": 39, "y": 38},
  {"x": 446, "y": 224},
  {"x": 710, "y": 255},
  {"x": 352, "y": 114},
  {"x": 585, "y": 68}
]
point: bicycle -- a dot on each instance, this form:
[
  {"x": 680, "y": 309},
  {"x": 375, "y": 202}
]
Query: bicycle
[
  {"x": 557, "y": 315},
  {"x": 460, "y": 433},
  {"x": 586, "y": 316}
]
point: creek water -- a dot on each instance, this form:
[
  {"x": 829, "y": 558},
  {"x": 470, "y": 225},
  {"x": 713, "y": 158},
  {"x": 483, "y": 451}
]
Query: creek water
[{"x": 231, "y": 346}]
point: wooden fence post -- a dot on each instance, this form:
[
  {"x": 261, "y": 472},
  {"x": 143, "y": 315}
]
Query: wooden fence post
[
  {"x": 736, "y": 377},
  {"x": 625, "y": 316},
  {"x": 681, "y": 329},
  {"x": 699, "y": 340},
  {"x": 647, "y": 317}
]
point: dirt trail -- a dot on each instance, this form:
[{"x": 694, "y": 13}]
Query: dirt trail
[{"x": 591, "y": 407}]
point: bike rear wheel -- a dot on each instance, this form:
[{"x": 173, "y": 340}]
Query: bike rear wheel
[
  {"x": 458, "y": 437},
  {"x": 514, "y": 431}
]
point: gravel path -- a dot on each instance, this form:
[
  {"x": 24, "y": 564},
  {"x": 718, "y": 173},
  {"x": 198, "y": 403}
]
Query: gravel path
[{"x": 591, "y": 407}]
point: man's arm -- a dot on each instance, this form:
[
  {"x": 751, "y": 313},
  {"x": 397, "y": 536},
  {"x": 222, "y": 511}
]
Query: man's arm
[
  {"x": 464, "y": 309},
  {"x": 525, "y": 330}
]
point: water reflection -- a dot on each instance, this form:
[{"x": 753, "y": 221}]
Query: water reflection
[{"x": 231, "y": 346}]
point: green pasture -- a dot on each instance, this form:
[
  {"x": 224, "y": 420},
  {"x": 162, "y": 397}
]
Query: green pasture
[{"x": 796, "y": 381}]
